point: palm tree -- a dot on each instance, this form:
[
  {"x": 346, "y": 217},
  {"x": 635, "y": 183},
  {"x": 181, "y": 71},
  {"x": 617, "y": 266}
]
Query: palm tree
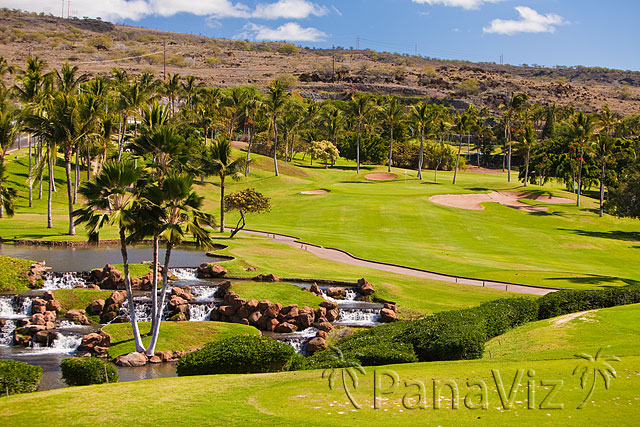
[
  {"x": 217, "y": 161},
  {"x": 5, "y": 69},
  {"x": 582, "y": 129},
  {"x": 392, "y": 112},
  {"x": 462, "y": 126},
  {"x": 253, "y": 107},
  {"x": 592, "y": 366},
  {"x": 276, "y": 99},
  {"x": 608, "y": 120},
  {"x": 190, "y": 88},
  {"x": 529, "y": 141},
  {"x": 604, "y": 150},
  {"x": 163, "y": 146},
  {"x": 172, "y": 89},
  {"x": 420, "y": 118},
  {"x": 9, "y": 127},
  {"x": 111, "y": 200},
  {"x": 7, "y": 194},
  {"x": 67, "y": 78},
  {"x": 235, "y": 102},
  {"x": 181, "y": 214},
  {"x": 360, "y": 108},
  {"x": 516, "y": 104}
]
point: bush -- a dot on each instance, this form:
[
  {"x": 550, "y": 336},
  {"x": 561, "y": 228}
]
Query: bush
[
  {"x": 238, "y": 355},
  {"x": 87, "y": 370},
  {"x": 564, "y": 302},
  {"x": 18, "y": 377},
  {"x": 288, "y": 49},
  {"x": 503, "y": 314}
]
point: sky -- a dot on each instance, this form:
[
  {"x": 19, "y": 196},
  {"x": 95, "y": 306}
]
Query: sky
[{"x": 533, "y": 32}]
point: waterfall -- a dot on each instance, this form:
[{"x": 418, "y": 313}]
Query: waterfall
[
  {"x": 297, "y": 340},
  {"x": 204, "y": 293},
  {"x": 62, "y": 280},
  {"x": 6, "y": 332},
  {"x": 142, "y": 309},
  {"x": 199, "y": 312},
  {"x": 184, "y": 273},
  {"x": 358, "y": 316},
  {"x": 15, "y": 307},
  {"x": 350, "y": 295},
  {"x": 65, "y": 344}
]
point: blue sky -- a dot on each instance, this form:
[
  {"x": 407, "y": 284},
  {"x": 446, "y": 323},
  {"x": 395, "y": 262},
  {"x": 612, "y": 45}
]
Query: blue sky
[{"x": 544, "y": 32}]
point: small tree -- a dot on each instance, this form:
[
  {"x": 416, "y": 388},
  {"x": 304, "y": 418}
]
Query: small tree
[
  {"x": 324, "y": 150},
  {"x": 245, "y": 201}
]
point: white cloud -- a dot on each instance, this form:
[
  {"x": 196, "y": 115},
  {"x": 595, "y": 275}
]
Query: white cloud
[
  {"x": 289, "y": 31},
  {"x": 138, "y": 9},
  {"x": 530, "y": 22},
  {"x": 465, "y": 4}
]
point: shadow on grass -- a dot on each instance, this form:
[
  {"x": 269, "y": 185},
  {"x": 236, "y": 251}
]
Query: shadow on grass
[
  {"x": 477, "y": 189},
  {"x": 627, "y": 236},
  {"x": 596, "y": 280},
  {"x": 547, "y": 213}
]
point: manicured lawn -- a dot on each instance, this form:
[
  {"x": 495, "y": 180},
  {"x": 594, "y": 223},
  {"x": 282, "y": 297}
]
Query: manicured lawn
[
  {"x": 300, "y": 398},
  {"x": 283, "y": 293},
  {"x": 174, "y": 335},
  {"x": 75, "y": 299},
  {"x": 564, "y": 336},
  {"x": 13, "y": 274}
]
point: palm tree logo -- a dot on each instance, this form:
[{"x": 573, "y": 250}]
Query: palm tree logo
[
  {"x": 592, "y": 366},
  {"x": 348, "y": 369}
]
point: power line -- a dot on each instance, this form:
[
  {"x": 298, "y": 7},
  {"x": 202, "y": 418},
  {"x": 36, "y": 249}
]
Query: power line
[{"x": 117, "y": 59}]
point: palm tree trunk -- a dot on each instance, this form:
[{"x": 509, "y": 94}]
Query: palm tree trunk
[
  {"x": 127, "y": 285},
  {"x": 421, "y": 156},
  {"x": 29, "y": 174},
  {"x": 88, "y": 163},
  {"x": 509, "y": 165},
  {"x": 358, "y": 150},
  {"x": 435, "y": 173},
  {"x": 275, "y": 145},
  {"x": 222, "y": 203},
  {"x": 76, "y": 177},
  {"x": 390, "y": 149},
  {"x": 455, "y": 171},
  {"x": 165, "y": 285},
  {"x": 580, "y": 176},
  {"x": 602, "y": 188},
  {"x": 67, "y": 167},
  {"x": 246, "y": 170},
  {"x": 51, "y": 179},
  {"x": 154, "y": 287},
  {"x": 526, "y": 171}
]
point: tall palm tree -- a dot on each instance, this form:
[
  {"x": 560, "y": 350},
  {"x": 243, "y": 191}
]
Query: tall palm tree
[
  {"x": 419, "y": 116},
  {"x": 217, "y": 161},
  {"x": 515, "y": 104},
  {"x": 7, "y": 194},
  {"x": 604, "y": 150},
  {"x": 67, "y": 78},
  {"x": 582, "y": 129},
  {"x": 181, "y": 214},
  {"x": 172, "y": 89},
  {"x": 163, "y": 146},
  {"x": 528, "y": 142},
  {"x": 111, "y": 200},
  {"x": 462, "y": 126},
  {"x": 608, "y": 120},
  {"x": 235, "y": 101},
  {"x": 5, "y": 69},
  {"x": 277, "y": 97},
  {"x": 253, "y": 108},
  {"x": 392, "y": 111},
  {"x": 190, "y": 88},
  {"x": 360, "y": 108},
  {"x": 9, "y": 128}
]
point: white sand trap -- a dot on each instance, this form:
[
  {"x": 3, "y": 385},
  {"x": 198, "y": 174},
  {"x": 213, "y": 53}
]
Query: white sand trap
[
  {"x": 381, "y": 176},
  {"x": 509, "y": 199},
  {"x": 318, "y": 191}
]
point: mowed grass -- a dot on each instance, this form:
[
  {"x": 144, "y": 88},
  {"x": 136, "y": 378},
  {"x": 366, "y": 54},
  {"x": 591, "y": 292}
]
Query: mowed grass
[
  {"x": 300, "y": 398},
  {"x": 174, "y": 335},
  {"x": 76, "y": 299},
  {"x": 284, "y": 293},
  {"x": 394, "y": 221},
  {"x": 617, "y": 328},
  {"x": 13, "y": 274}
]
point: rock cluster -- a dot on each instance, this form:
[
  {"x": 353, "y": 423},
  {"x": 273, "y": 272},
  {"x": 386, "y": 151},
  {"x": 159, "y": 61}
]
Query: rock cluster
[
  {"x": 34, "y": 275},
  {"x": 389, "y": 313},
  {"x": 107, "y": 309},
  {"x": 94, "y": 344},
  {"x": 208, "y": 270},
  {"x": 111, "y": 278},
  {"x": 44, "y": 312},
  {"x": 266, "y": 278},
  {"x": 275, "y": 317},
  {"x": 178, "y": 305},
  {"x": 364, "y": 287},
  {"x": 141, "y": 359}
]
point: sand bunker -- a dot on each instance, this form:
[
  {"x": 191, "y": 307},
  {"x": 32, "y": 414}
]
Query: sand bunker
[
  {"x": 381, "y": 176},
  {"x": 509, "y": 199},
  {"x": 318, "y": 191}
]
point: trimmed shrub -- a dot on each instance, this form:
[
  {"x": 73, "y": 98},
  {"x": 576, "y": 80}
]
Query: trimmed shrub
[
  {"x": 503, "y": 314},
  {"x": 87, "y": 370},
  {"x": 565, "y": 302},
  {"x": 18, "y": 377},
  {"x": 238, "y": 355}
]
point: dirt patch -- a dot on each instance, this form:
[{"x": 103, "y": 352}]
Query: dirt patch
[
  {"x": 318, "y": 191},
  {"x": 584, "y": 315},
  {"x": 381, "y": 176},
  {"x": 476, "y": 169},
  {"x": 509, "y": 199}
]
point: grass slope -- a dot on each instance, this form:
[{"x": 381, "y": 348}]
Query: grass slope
[
  {"x": 174, "y": 335},
  {"x": 13, "y": 274},
  {"x": 298, "y": 398},
  {"x": 284, "y": 293},
  {"x": 75, "y": 299},
  {"x": 564, "y": 336}
]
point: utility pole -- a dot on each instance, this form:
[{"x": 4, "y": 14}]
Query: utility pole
[
  {"x": 501, "y": 59},
  {"x": 416, "y": 54},
  {"x": 357, "y": 42},
  {"x": 333, "y": 56},
  {"x": 68, "y": 9},
  {"x": 62, "y": 14},
  {"x": 164, "y": 60}
]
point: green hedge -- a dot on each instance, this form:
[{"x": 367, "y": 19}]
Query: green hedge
[
  {"x": 565, "y": 302},
  {"x": 87, "y": 370},
  {"x": 238, "y": 355},
  {"x": 18, "y": 377}
]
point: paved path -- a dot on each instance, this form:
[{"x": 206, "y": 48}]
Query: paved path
[{"x": 338, "y": 255}]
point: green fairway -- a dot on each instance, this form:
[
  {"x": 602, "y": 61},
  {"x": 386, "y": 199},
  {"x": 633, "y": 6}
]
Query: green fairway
[
  {"x": 283, "y": 293},
  {"x": 562, "y": 337},
  {"x": 394, "y": 221},
  {"x": 174, "y": 335}
]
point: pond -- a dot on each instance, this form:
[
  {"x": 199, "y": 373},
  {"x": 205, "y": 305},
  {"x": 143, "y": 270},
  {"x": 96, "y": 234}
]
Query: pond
[{"x": 87, "y": 258}]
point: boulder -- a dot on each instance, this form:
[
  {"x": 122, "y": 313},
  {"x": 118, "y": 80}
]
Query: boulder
[
  {"x": 273, "y": 310},
  {"x": 175, "y": 303},
  {"x": 77, "y": 316},
  {"x": 215, "y": 315},
  {"x": 178, "y": 317},
  {"x": 243, "y": 311},
  {"x": 252, "y": 305},
  {"x": 183, "y": 293},
  {"x": 227, "y": 310},
  {"x": 316, "y": 344},
  {"x": 388, "y": 315},
  {"x": 321, "y": 312},
  {"x": 165, "y": 356},
  {"x": 116, "y": 298},
  {"x": 49, "y": 316},
  {"x": 238, "y": 302},
  {"x": 304, "y": 320},
  {"x": 155, "y": 359},
  {"x": 252, "y": 269},
  {"x": 335, "y": 292},
  {"x": 364, "y": 287},
  {"x": 325, "y": 326},
  {"x": 333, "y": 315},
  {"x": 53, "y": 305},
  {"x": 106, "y": 338},
  {"x": 45, "y": 337},
  {"x": 93, "y": 286},
  {"x": 286, "y": 327},
  {"x": 96, "y": 306},
  {"x": 108, "y": 316},
  {"x": 223, "y": 287},
  {"x": 254, "y": 318},
  {"x": 208, "y": 270},
  {"x": 287, "y": 309},
  {"x": 322, "y": 334},
  {"x": 266, "y": 278},
  {"x": 48, "y": 296},
  {"x": 38, "y": 319},
  {"x": 132, "y": 359},
  {"x": 391, "y": 306},
  {"x": 270, "y": 324},
  {"x": 89, "y": 341},
  {"x": 21, "y": 340},
  {"x": 264, "y": 305},
  {"x": 38, "y": 305},
  {"x": 315, "y": 289},
  {"x": 329, "y": 305}
]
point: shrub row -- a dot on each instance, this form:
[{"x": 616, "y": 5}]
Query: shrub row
[
  {"x": 565, "y": 302},
  {"x": 18, "y": 377},
  {"x": 239, "y": 355},
  {"x": 87, "y": 370}
]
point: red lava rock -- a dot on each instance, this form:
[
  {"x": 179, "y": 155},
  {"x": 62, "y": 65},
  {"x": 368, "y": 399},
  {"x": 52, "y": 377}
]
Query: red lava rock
[
  {"x": 364, "y": 287},
  {"x": 254, "y": 318},
  {"x": 286, "y": 327},
  {"x": 315, "y": 289},
  {"x": 96, "y": 306},
  {"x": 316, "y": 344},
  {"x": 131, "y": 359},
  {"x": 329, "y": 305},
  {"x": 271, "y": 323},
  {"x": 273, "y": 310},
  {"x": 264, "y": 305},
  {"x": 388, "y": 315},
  {"x": 333, "y": 315},
  {"x": 322, "y": 334},
  {"x": 325, "y": 326}
]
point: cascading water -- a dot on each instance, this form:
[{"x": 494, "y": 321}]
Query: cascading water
[
  {"x": 184, "y": 273},
  {"x": 355, "y": 316},
  {"x": 142, "y": 309},
  {"x": 15, "y": 307},
  {"x": 200, "y": 312},
  {"x": 62, "y": 280},
  {"x": 6, "y": 332},
  {"x": 350, "y": 295},
  {"x": 297, "y": 340},
  {"x": 204, "y": 293},
  {"x": 63, "y": 343}
]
